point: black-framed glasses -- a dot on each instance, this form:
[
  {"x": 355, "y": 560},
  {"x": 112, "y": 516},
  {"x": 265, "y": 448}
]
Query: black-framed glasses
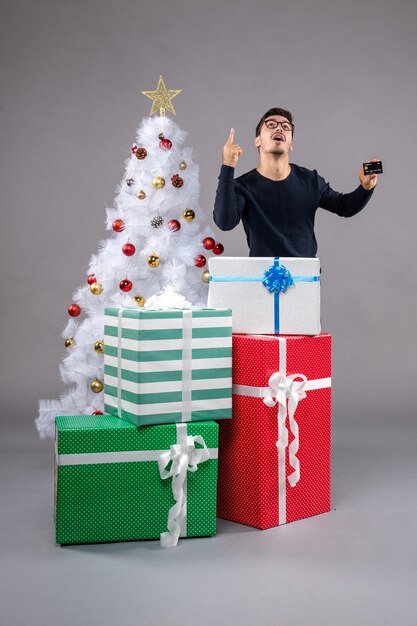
[{"x": 272, "y": 124}]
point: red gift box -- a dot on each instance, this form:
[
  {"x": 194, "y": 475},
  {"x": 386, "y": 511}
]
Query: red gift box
[{"x": 274, "y": 455}]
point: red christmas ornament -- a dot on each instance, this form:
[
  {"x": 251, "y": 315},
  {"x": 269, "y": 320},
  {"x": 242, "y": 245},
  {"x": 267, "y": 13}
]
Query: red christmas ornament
[
  {"x": 177, "y": 181},
  {"x": 97, "y": 413},
  {"x": 128, "y": 249},
  {"x": 125, "y": 285},
  {"x": 118, "y": 226},
  {"x": 218, "y": 248},
  {"x": 200, "y": 260},
  {"x": 165, "y": 144},
  {"x": 74, "y": 310},
  {"x": 174, "y": 225},
  {"x": 133, "y": 149},
  {"x": 208, "y": 243},
  {"x": 91, "y": 279}
]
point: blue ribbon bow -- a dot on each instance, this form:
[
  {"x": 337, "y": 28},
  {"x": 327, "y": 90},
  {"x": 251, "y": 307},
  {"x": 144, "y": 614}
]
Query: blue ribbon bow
[{"x": 277, "y": 278}]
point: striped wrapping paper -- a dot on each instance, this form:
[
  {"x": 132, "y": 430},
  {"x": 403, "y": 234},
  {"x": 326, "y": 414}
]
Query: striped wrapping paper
[{"x": 169, "y": 366}]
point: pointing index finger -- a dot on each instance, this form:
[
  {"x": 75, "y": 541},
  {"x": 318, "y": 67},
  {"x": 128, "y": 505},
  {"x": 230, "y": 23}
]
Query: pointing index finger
[{"x": 231, "y": 136}]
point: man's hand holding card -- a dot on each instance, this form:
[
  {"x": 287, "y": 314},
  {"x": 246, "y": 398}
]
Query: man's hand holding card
[{"x": 368, "y": 174}]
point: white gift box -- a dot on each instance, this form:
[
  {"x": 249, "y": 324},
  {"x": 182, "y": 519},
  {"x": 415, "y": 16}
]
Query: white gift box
[{"x": 278, "y": 295}]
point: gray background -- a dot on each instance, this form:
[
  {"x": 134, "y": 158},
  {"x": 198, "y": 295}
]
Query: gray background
[{"x": 71, "y": 76}]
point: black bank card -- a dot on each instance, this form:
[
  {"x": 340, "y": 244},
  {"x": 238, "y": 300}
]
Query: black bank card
[{"x": 372, "y": 167}]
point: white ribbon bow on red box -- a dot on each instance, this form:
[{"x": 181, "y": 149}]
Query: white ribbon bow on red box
[{"x": 284, "y": 388}]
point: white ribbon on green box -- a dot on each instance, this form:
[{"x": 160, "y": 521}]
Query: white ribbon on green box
[
  {"x": 286, "y": 391},
  {"x": 181, "y": 458}
]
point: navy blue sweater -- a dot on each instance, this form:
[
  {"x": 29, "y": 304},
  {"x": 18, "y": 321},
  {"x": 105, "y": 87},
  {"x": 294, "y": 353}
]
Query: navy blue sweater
[{"x": 278, "y": 216}]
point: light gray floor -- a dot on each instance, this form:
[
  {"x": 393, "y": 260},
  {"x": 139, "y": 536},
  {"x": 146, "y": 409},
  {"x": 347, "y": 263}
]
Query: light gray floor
[{"x": 353, "y": 566}]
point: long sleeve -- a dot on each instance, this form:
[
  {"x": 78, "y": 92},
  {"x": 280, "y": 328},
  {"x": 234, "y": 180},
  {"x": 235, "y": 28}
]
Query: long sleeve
[
  {"x": 343, "y": 204},
  {"x": 229, "y": 202}
]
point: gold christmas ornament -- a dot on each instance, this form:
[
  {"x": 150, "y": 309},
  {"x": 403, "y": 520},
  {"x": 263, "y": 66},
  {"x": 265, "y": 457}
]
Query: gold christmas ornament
[
  {"x": 161, "y": 98},
  {"x": 141, "y": 195},
  {"x": 153, "y": 260},
  {"x": 96, "y": 289},
  {"x": 96, "y": 386},
  {"x": 99, "y": 346},
  {"x": 183, "y": 165},
  {"x": 69, "y": 342},
  {"x": 188, "y": 215},
  {"x": 158, "y": 182},
  {"x": 140, "y": 300},
  {"x": 205, "y": 276}
]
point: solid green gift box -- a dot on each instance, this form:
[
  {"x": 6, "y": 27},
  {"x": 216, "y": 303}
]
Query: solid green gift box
[
  {"x": 111, "y": 485},
  {"x": 168, "y": 366}
]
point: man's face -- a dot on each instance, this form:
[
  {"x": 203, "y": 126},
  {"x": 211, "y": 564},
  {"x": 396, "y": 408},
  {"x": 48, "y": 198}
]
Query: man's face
[{"x": 273, "y": 138}]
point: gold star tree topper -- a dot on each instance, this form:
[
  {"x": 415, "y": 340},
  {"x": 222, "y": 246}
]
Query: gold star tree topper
[{"x": 162, "y": 98}]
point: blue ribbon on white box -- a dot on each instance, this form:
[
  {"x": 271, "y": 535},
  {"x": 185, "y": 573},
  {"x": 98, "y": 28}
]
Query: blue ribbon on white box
[{"x": 277, "y": 279}]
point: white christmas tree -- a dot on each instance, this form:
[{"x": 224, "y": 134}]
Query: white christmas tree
[{"x": 158, "y": 240}]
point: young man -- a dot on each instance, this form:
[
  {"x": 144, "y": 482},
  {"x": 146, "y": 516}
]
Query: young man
[{"x": 277, "y": 201}]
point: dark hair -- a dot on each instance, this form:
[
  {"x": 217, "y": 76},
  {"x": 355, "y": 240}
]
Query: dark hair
[{"x": 274, "y": 111}]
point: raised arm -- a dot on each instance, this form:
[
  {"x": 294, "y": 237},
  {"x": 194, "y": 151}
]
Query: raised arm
[
  {"x": 229, "y": 202},
  {"x": 347, "y": 204}
]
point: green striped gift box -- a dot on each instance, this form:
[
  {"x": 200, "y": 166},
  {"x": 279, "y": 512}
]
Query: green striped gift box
[
  {"x": 108, "y": 485},
  {"x": 162, "y": 367}
]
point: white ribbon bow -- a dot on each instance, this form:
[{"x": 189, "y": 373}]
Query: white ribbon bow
[
  {"x": 183, "y": 458},
  {"x": 281, "y": 389}
]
